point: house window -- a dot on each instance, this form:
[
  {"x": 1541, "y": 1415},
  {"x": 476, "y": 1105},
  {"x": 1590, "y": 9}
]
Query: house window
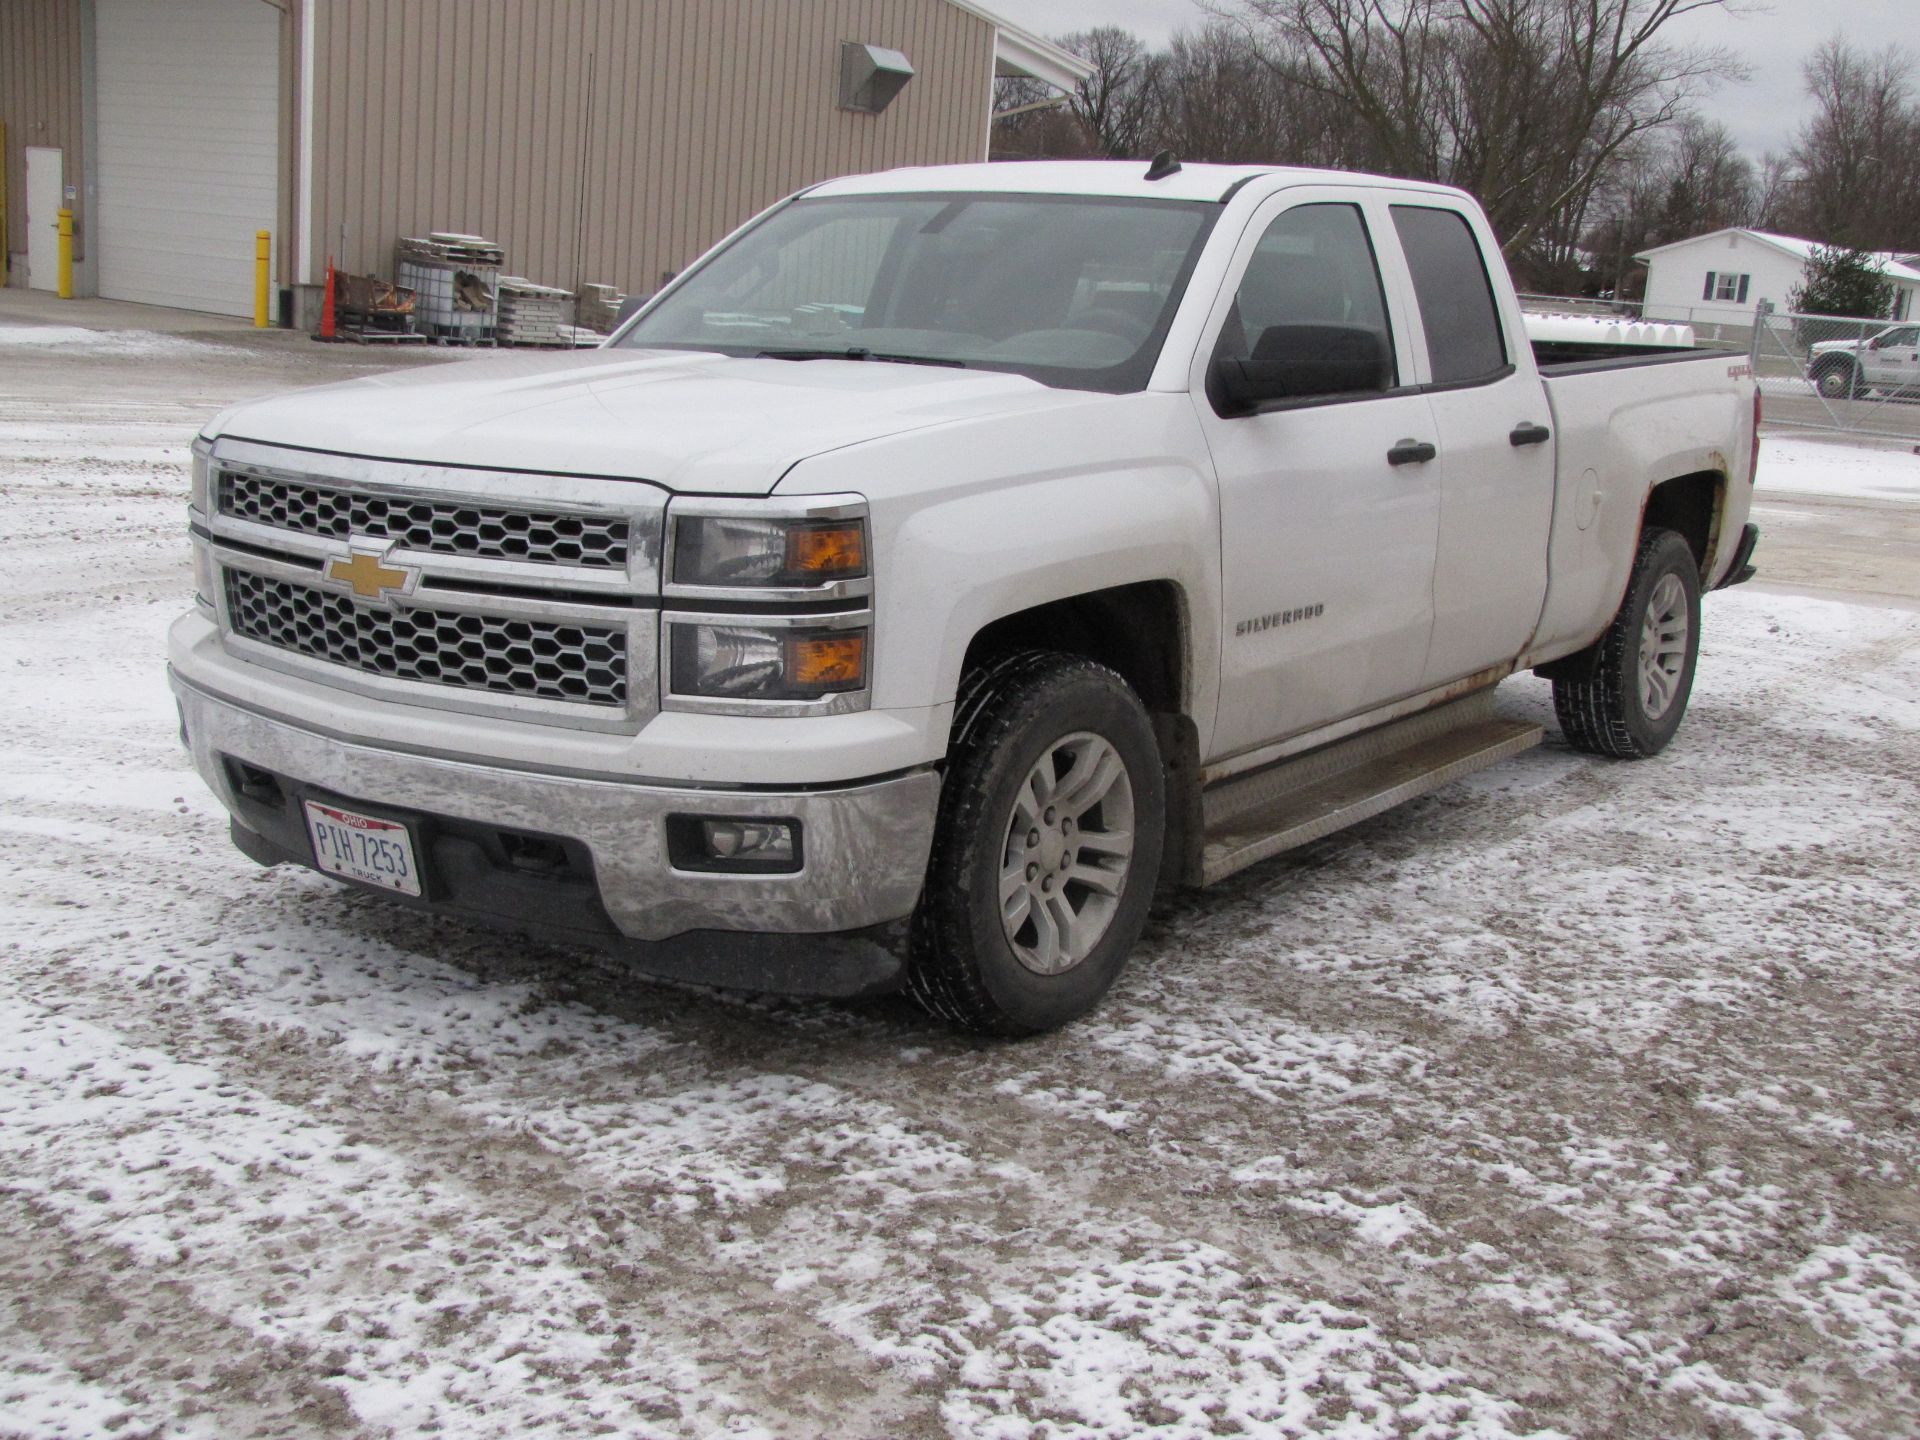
[{"x": 1726, "y": 287}]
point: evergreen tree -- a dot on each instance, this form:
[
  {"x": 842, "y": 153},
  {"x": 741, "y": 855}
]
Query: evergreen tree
[{"x": 1840, "y": 281}]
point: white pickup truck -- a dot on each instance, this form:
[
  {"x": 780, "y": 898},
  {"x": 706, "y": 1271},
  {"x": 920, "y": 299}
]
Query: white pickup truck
[
  {"x": 945, "y": 562},
  {"x": 1854, "y": 368}
]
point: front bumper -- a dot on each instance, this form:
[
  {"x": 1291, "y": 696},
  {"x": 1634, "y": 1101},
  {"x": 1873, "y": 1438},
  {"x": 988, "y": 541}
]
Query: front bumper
[{"x": 864, "y": 853}]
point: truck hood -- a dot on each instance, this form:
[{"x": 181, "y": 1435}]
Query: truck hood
[{"x": 696, "y": 422}]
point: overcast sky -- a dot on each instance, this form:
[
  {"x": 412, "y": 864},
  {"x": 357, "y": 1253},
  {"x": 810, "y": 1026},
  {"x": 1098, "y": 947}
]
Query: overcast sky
[{"x": 1772, "y": 36}]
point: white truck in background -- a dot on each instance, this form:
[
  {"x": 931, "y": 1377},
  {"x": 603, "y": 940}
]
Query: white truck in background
[
  {"x": 1888, "y": 360},
  {"x": 945, "y": 562}
]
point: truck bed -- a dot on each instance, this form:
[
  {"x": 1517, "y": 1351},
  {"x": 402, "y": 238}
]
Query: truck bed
[
  {"x": 1618, "y": 419},
  {"x": 1561, "y": 342},
  {"x": 1569, "y": 357}
]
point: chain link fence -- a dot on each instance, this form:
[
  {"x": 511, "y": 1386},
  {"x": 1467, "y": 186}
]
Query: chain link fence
[{"x": 1819, "y": 372}]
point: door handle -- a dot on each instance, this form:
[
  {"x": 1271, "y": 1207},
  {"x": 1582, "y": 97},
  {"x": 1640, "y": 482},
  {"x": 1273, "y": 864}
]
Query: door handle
[
  {"x": 1411, "y": 452},
  {"x": 1528, "y": 433}
]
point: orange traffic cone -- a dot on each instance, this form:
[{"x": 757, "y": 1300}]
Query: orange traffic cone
[{"x": 326, "y": 306}]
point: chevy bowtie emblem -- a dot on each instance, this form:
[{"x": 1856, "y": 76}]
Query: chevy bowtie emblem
[{"x": 367, "y": 577}]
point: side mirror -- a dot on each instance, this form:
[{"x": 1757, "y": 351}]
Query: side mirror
[
  {"x": 1300, "y": 362},
  {"x": 627, "y": 308}
]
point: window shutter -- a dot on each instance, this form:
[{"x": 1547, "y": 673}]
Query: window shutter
[
  {"x": 1741, "y": 298},
  {"x": 1707, "y": 294}
]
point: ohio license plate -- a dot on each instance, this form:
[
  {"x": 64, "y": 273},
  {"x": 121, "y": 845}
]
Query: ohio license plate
[{"x": 361, "y": 847}]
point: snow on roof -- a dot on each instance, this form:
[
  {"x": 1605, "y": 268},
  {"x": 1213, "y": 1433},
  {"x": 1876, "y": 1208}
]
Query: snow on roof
[{"x": 1892, "y": 264}]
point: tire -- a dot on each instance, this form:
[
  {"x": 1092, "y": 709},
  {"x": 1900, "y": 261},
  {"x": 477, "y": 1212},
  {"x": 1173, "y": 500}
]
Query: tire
[
  {"x": 1839, "y": 380},
  {"x": 1075, "y": 905},
  {"x": 1625, "y": 695}
]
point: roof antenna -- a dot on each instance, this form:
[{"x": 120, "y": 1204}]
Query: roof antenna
[{"x": 1164, "y": 164}]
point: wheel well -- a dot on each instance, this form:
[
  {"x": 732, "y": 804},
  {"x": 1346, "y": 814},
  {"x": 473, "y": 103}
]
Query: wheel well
[
  {"x": 1137, "y": 630},
  {"x": 1690, "y": 506}
]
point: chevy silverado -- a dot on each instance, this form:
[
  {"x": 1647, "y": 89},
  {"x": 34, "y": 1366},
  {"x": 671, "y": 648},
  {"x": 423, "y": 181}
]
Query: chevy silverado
[{"x": 944, "y": 563}]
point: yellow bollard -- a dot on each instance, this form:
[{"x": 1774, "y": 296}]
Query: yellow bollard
[
  {"x": 66, "y": 254},
  {"x": 262, "y": 246}
]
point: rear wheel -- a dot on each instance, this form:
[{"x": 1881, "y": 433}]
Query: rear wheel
[
  {"x": 1626, "y": 695},
  {"x": 1046, "y": 850}
]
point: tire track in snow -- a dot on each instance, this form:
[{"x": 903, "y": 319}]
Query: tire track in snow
[
  {"x": 926, "y": 1331},
  {"x": 200, "y": 1179},
  {"x": 220, "y": 1379}
]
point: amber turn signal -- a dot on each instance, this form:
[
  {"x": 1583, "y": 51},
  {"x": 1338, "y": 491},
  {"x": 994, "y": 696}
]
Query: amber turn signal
[
  {"x": 828, "y": 662},
  {"x": 824, "y": 552}
]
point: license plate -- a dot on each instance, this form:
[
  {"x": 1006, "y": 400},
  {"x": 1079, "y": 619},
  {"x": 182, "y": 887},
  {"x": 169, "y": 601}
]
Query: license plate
[{"x": 361, "y": 847}]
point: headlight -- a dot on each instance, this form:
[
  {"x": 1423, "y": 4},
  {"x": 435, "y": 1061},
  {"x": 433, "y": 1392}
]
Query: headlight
[
  {"x": 729, "y": 550},
  {"x": 749, "y": 662},
  {"x": 198, "y": 492}
]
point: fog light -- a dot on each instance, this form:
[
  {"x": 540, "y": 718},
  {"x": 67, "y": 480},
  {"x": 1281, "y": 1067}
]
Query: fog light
[
  {"x": 746, "y": 845},
  {"x": 741, "y": 840}
]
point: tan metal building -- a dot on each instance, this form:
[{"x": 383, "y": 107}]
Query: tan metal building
[{"x": 596, "y": 140}]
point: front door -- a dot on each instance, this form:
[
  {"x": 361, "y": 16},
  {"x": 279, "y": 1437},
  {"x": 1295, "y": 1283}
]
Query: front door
[
  {"x": 46, "y": 192},
  {"x": 1894, "y": 361},
  {"x": 1326, "y": 545}
]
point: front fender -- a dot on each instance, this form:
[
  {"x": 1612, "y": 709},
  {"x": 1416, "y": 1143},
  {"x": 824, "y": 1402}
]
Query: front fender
[{"x": 984, "y": 519}]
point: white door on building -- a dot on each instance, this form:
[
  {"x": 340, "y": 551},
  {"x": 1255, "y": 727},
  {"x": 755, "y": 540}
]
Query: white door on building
[
  {"x": 45, "y": 196},
  {"x": 189, "y": 124}
]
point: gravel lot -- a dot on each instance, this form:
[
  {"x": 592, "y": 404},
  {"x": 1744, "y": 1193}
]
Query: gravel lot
[{"x": 1576, "y": 1099}]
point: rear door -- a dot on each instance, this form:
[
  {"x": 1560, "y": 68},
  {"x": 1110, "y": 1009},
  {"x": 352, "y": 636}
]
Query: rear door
[
  {"x": 1495, "y": 465},
  {"x": 1326, "y": 546}
]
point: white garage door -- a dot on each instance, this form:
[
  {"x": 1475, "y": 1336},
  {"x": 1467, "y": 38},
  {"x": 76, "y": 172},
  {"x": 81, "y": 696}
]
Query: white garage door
[{"x": 189, "y": 123}]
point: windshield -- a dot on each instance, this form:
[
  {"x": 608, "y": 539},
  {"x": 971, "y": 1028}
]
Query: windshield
[{"x": 1072, "y": 291}]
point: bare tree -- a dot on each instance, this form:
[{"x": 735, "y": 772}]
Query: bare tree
[
  {"x": 1855, "y": 179},
  {"x": 1118, "y": 104},
  {"x": 1687, "y": 182},
  {"x": 1530, "y": 104},
  {"x": 1773, "y": 193},
  {"x": 1033, "y": 121},
  {"x": 1217, "y": 100}
]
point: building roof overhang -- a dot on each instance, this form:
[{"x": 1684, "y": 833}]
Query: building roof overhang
[{"x": 1021, "y": 52}]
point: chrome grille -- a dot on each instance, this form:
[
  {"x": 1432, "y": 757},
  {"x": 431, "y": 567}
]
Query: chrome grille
[
  {"x": 437, "y": 527},
  {"x": 536, "y": 659}
]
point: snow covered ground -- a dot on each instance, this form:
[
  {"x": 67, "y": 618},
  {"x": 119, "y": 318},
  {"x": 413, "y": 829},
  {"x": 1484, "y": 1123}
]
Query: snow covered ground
[
  {"x": 1838, "y": 467},
  {"x": 1577, "y": 1099}
]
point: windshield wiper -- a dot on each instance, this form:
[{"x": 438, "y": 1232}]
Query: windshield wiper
[{"x": 860, "y": 352}]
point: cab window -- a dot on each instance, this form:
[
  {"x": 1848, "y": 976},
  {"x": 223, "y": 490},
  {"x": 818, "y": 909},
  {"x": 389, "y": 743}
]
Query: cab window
[
  {"x": 1464, "y": 345},
  {"x": 1313, "y": 266}
]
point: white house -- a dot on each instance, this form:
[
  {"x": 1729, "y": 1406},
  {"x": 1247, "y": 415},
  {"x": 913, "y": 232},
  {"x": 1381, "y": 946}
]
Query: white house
[{"x": 1724, "y": 275}]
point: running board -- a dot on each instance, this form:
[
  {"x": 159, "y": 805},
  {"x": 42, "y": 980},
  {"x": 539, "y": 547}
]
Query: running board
[{"x": 1296, "y": 801}]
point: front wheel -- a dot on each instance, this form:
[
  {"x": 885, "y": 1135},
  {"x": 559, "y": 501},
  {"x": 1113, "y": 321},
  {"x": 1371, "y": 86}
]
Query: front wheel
[
  {"x": 1840, "y": 381},
  {"x": 1046, "y": 850},
  {"x": 1625, "y": 696}
]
